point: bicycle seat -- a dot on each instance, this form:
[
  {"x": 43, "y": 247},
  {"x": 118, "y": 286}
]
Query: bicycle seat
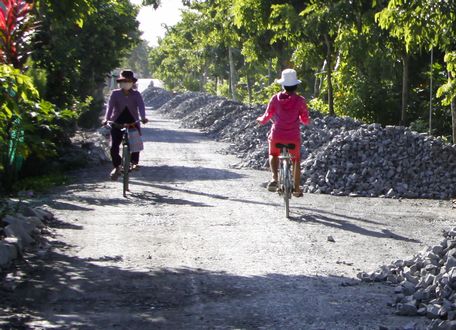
[{"x": 289, "y": 146}]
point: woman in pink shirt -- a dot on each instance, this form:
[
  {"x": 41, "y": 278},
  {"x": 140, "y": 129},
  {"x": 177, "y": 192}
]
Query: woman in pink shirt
[{"x": 286, "y": 110}]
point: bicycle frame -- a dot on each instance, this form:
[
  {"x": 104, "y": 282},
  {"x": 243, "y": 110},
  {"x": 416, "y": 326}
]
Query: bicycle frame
[{"x": 126, "y": 154}]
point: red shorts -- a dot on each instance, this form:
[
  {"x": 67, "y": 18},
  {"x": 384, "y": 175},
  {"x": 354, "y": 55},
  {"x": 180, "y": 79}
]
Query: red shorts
[{"x": 295, "y": 153}]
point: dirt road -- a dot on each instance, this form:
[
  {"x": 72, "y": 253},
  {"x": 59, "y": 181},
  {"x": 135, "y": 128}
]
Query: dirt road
[{"x": 198, "y": 244}]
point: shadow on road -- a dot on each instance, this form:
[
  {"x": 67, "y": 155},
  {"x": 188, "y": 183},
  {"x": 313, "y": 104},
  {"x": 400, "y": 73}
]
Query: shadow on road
[
  {"x": 95, "y": 201},
  {"x": 155, "y": 198},
  {"x": 166, "y": 173},
  {"x": 320, "y": 211},
  {"x": 69, "y": 292},
  {"x": 207, "y": 194},
  {"x": 343, "y": 222},
  {"x": 94, "y": 180}
]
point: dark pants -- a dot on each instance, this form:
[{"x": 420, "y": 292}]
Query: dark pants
[{"x": 116, "y": 140}]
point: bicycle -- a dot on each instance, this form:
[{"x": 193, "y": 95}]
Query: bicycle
[
  {"x": 126, "y": 152},
  {"x": 285, "y": 184}
]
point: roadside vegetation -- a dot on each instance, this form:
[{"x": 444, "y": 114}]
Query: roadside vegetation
[
  {"x": 55, "y": 57},
  {"x": 388, "y": 62}
]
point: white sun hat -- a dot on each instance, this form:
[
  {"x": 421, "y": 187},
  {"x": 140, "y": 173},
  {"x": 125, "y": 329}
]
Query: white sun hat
[{"x": 288, "y": 78}]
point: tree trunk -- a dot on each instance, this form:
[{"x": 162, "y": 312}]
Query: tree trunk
[
  {"x": 329, "y": 75},
  {"x": 430, "y": 91},
  {"x": 249, "y": 87},
  {"x": 232, "y": 74},
  {"x": 318, "y": 80},
  {"x": 453, "y": 116},
  {"x": 453, "y": 113},
  {"x": 203, "y": 78},
  {"x": 270, "y": 75},
  {"x": 405, "y": 87}
]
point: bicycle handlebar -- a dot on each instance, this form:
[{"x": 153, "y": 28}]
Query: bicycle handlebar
[{"x": 128, "y": 125}]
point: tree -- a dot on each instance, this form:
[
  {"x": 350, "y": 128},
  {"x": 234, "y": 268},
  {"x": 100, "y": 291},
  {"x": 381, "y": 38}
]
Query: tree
[
  {"x": 222, "y": 32},
  {"x": 179, "y": 59},
  {"x": 427, "y": 24},
  {"x": 138, "y": 60},
  {"x": 29, "y": 125},
  {"x": 77, "y": 58}
]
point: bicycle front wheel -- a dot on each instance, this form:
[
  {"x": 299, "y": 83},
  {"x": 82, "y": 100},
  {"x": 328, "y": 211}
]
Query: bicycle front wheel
[{"x": 126, "y": 168}]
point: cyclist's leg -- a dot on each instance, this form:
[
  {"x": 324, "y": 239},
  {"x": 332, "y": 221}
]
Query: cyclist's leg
[
  {"x": 297, "y": 176},
  {"x": 134, "y": 160},
  {"x": 296, "y": 158},
  {"x": 274, "y": 153},
  {"x": 274, "y": 166},
  {"x": 116, "y": 140}
]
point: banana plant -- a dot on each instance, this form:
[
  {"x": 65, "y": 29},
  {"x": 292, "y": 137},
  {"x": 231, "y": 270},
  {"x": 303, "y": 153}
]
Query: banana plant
[{"x": 16, "y": 29}]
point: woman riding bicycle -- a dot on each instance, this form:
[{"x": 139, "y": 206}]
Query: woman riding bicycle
[
  {"x": 286, "y": 110},
  {"x": 125, "y": 106}
]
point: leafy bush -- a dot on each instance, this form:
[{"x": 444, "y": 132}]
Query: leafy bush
[{"x": 28, "y": 124}]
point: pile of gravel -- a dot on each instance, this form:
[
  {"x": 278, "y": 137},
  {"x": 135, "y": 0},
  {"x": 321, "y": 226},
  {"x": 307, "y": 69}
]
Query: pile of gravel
[
  {"x": 375, "y": 161},
  {"x": 425, "y": 284},
  {"x": 155, "y": 97},
  {"x": 340, "y": 156}
]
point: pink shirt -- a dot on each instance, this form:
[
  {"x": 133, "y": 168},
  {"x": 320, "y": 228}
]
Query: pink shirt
[{"x": 287, "y": 111}]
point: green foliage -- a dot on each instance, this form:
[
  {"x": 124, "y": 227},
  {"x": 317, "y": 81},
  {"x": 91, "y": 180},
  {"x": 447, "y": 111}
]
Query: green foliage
[
  {"x": 76, "y": 66},
  {"x": 180, "y": 59},
  {"x": 154, "y": 3},
  {"x": 138, "y": 60},
  {"x": 265, "y": 93},
  {"x": 448, "y": 90},
  {"x": 319, "y": 104},
  {"x": 358, "y": 47},
  {"x": 425, "y": 24},
  {"x": 28, "y": 124}
]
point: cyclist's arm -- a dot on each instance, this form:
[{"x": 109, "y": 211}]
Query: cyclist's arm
[
  {"x": 141, "y": 108},
  {"x": 304, "y": 113},
  {"x": 109, "y": 108},
  {"x": 270, "y": 111}
]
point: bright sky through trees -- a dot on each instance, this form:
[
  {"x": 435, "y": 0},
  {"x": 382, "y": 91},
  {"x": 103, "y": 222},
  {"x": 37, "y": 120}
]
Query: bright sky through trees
[{"x": 151, "y": 20}]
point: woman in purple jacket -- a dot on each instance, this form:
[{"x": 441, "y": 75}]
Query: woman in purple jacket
[{"x": 125, "y": 106}]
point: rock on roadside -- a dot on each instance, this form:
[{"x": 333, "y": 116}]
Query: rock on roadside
[
  {"x": 20, "y": 231},
  {"x": 424, "y": 284}
]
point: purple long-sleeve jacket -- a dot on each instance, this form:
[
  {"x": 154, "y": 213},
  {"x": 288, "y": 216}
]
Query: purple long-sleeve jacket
[{"x": 119, "y": 100}]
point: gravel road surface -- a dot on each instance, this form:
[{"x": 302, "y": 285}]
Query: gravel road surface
[{"x": 199, "y": 244}]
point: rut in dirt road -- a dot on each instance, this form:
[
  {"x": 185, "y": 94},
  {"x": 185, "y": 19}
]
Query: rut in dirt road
[{"x": 198, "y": 244}]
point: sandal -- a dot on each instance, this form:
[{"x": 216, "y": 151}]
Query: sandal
[
  {"x": 272, "y": 186},
  {"x": 297, "y": 193},
  {"x": 115, "y": 173}
]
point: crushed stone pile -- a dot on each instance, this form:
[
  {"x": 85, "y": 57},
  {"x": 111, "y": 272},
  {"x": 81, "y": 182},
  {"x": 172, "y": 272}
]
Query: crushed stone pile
[
  {"x": 425, "y": 283},
  {"x": 155, "y": 97},
  {"x": 340, "y": 155},
  {"x": 375, "y": 161}
]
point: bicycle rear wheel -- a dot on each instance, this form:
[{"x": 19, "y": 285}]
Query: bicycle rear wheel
[
  {"x": 285, "y": 169},
  {"x": 126, "y": 167}
]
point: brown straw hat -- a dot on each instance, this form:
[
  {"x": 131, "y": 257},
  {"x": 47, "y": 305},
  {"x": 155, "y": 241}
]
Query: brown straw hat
[{"x": 127, "y": 75}]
